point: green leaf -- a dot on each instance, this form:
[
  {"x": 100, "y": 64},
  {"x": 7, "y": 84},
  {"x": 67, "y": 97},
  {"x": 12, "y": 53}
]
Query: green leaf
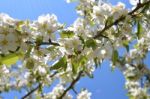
[
  {"x": 115, "y": 56},
  {"x": 67, "y": 34},
  {"x": 39, "y": 39},
  {"x": 136, "y": 46},
  {"x": 82, "y": 60},
  {"x": 89, "y": 75},
  {"x": 77, "y": 62},
  {"x": 82, "y": 39},
  {"x": 75, "y": 66},
  {"x": 92, "y": 23},
  {"x": 19, "y": 23},
  {"x": 62, "y": 63},
  {"x": 51, "y": 48},
  {"x": 126, "y": 45},
  {"x": 27, "y": 54},
  {"x": 97, "y": 62},
  {"x": 139, "y": 30},
  {"x": 30, "y": 63},
  {"x": 9, "y": 59},
  {"x": 109, "y": 20},
  {"x": 38, "y": 97},
  {"x": 90, "y": 43},
  {"x": 145, "y": 8}
]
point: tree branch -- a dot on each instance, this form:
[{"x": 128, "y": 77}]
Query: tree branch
[
  {"x": 32, "y": 91},
  {"x": 49, "y": 43},
  {"x": 36, "y": 88},
  {"x": 140, "y": 5},
  {"x": 44, "y": 43},
  {"x": 71, "y": 85}
]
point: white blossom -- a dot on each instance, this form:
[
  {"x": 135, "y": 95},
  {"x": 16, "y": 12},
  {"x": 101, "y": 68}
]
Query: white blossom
[
  {"x": 134, "y": 2},
  {"x": 84, "y": 95},
  {"x": 41, "y": 70},
  {"x": 43, "y": 55}
]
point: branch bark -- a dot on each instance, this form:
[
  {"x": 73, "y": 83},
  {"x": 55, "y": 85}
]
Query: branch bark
[
  {"x": 44, "y": 43},
  {"x": 36, "y": 88},
  {"x": 32, "y": 91},
  {"x": 71, "y": 85}
]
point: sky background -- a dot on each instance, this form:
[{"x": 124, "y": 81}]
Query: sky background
[{"x": 106, "y": 84}]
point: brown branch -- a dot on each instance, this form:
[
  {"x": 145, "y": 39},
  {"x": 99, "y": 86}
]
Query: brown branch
[
  {"x": 44, "y": 43},
  {"x": 53, "y": 43},
  {"x": 71, "y": 85},
  {"x": 32, "y": 91},
  {"x": 140, "y": 5},
  {"x": 53, "y": 74},
  {"x": 73, "y": 89},
  {"x": 49, "y": 43},
  {"x": 36, "y": 88}
]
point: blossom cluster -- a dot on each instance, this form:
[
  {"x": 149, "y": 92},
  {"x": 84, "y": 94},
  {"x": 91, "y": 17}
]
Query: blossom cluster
[{"x": 43, "y": 51}]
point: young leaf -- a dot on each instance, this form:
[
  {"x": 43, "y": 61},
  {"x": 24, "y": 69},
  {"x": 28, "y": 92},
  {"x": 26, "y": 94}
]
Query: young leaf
[
  {"x": 90, "y": 43},
  {"x": 67, "y": 34},
  {"x": 27, "y": 54},
  {"x": 39, "y": 39},
  {"x": 126, "y": 45},
  {"x": 9, "y": 59},
  {"x": 115, "y": 56},
  {"x": 75, "y": 66},
  {"x": 30, "y": 63},
  {"x": 139, "y": 30},
  {"x": 82, "y": 39},
  {"x": 62, "y": 63},
  {"x": 78, "y": 62},
  {"x": 89, "y": 75},
  {"x": 82, "y": 60},
  {"x": 97, "y": 62}
]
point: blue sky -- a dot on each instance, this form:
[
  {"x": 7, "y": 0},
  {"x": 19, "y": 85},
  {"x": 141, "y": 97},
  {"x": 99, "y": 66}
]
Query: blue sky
[{"x": 106, "y": 84}]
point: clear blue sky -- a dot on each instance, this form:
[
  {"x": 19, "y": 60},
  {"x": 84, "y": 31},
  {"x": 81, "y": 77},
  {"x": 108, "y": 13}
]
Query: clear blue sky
[{"x": 106, "y": 84}]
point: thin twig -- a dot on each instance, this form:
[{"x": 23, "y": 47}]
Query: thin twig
[
  {"x": 71, "y": 85},
  {"x": 36, "y": 88},
  {"x": 32, "y": 91},
  {"x": 73, "y": 89},
  {"x": 44, "y": 43},
  {"x": 120, "y": 19}
]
